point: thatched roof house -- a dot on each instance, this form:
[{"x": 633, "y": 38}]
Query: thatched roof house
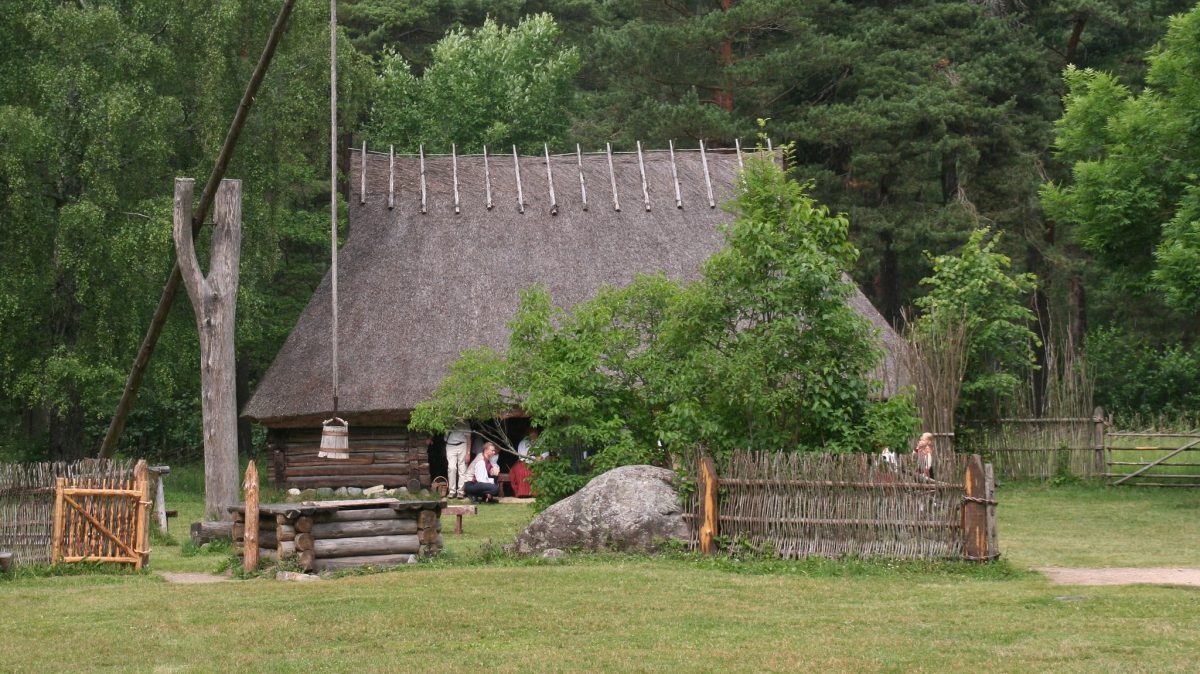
[{"x": 438, "y": 251}]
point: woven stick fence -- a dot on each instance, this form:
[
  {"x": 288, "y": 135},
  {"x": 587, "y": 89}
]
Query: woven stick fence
[
  {"x": 800, "y": 505},
  {"x": 1041, "y": 448},
  {"x": 27, "y": 501}
]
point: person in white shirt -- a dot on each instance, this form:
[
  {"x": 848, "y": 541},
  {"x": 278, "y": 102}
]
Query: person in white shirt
[
  {"x": 527, "y": 443},
  {"x": 482, "y": 484},
  {"x": 458, "y": 442}
]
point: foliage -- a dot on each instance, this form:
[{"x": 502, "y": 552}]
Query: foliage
[
  {"x": 1135, "y": 377},
  {"x": 978, "y": 285},
  {"x": 1133, "y": 200},
  {"x": 495, "y": 85}
]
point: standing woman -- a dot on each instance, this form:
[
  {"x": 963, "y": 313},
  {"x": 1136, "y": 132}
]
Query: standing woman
[{"x": 924, "y": 452}]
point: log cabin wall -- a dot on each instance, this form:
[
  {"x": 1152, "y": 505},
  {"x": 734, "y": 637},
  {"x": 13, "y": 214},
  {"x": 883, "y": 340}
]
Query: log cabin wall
[{"x": 390, "y": 456}]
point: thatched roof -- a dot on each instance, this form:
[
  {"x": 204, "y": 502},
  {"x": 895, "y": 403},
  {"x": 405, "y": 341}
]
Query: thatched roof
[{"x": 419, "y": 284}]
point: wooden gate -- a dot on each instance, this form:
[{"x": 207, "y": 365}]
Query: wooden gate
[
  {"x": 1161, "y": 459},
  {"x": 103, "y": 520}
]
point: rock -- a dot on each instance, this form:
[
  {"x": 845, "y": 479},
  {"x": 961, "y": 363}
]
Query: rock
[
  {"x": 324, "y": 491},
  {"x": 553, "y": 553},
  {"x": 354, "y": 491},
  {"x": 292, "y": 575},
  {"x": 340, "y": 491},
  {"x": 401, "y": 491},
  {"x": 371, "y": 491},
  {"x": 310, "y": 494},
  {"x": 628, "y": 508},
  {"x": 293, "y": 492}
]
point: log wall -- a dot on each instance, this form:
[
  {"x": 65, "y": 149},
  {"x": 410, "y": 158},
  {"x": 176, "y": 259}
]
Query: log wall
[
  {"x": 327, "y": 535},
  {"x": 390, "y": 456}
]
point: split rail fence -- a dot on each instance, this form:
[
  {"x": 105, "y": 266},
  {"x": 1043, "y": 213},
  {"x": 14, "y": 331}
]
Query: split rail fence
[
  {"x": 1146, "y": 459},
  {"x": 90, "y": 510},
  {"x": 799, "y": 505}
]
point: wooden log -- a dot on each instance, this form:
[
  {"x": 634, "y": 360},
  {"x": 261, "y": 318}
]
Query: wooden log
[
  {"x": 306, "y": 559},
  {"x": 352, "y": 529},
  {"x": 285, "y": 532},
  {"x": 708, "y": 486},
  {"x": 303, "y": 524},
  {"x": 974, "y": 512},
  {"x": 426, "y": 519},
  {"x": 357, "y": 514},
  {"x": 335, "y": 563},
  {"x": 340, "y": 469},
  {"x": 268, "y": 554},
  {"x": 990, "y": 494},
  {"x": 398, "y": 480},
  {"x": 304, "y": 541},
  {"x": 286, "y": 549},
  {"x": 366, "y": 545},
  {"x": 250, "y": 486},
  {"x": 428, "y": 536},
  {"x": 267, "y": 537},
  {"x": 207, "y": 532}
]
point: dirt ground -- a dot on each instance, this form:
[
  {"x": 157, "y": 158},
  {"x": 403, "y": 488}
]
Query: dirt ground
[{"x": 1123, "y": 576}]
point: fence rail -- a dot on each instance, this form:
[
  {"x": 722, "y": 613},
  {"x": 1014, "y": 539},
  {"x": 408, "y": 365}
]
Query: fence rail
[
  {"x": 799, "y": 505},
  {"x": 27, "y": 496}
]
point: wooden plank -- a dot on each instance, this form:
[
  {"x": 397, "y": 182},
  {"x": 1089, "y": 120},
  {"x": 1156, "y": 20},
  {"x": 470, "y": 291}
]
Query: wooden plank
[
  {"x": 100, "y": 491},
  {"x": 141, "y": 477},
  {"x": 353, "y": 529},
  {"x": 389, "y": 481},
  {"x": 250, "y": 487},
  {"x": 160, "y": 503},
  {"x": 993, "y": 537},
  {"x": 357, "y": 514},
  {"x": 1161, "y": 459},
  {"x": 366, "y": 545},
  {"x": 59, "y": 514},
  {"x": 347, "y": 470}
]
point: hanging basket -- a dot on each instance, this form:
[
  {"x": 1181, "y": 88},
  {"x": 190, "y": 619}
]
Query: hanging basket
[
  {"x": 335, "y": 439},
  {"x": 440, "y": 486}
]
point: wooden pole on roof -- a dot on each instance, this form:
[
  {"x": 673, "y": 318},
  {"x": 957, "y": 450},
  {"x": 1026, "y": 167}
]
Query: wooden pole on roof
[
  {"x": 712, "y": 203},
  {"x": 612, "y": 178},
  {"x": 520, "y": 192},
  {"x": 582, "y": 184},
  {"x": 140, "y": 362},
  {"x": 487, "y": 178},
  {"x": 422, "y": 151},
  {"x": 391, "y": 177},
  {"x": 454, "y": 164},
  {"x": 675, "y": 175},
  {"x": 550, "y": 180},
  {"x": 642, "y": 169},
  {"x": 362, "y": 175}
]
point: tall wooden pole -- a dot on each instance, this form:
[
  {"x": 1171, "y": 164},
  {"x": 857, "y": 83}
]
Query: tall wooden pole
[
  {"x": 142, "y": 360},
  {"x": 214, "y": 301},
  {"x": 250, "y": 485}
]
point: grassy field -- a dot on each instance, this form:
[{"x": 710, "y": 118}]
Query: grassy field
[{"x": 477, "y": 609}]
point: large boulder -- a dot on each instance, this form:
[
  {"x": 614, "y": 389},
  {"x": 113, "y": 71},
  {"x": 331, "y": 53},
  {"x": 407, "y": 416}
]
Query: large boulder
[{"x": 627, "y": 508}]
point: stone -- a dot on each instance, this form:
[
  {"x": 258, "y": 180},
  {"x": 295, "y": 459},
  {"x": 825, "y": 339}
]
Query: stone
[
  {"x": 340, "y": 491},
  {"x": 631, "y": 508},
  {"x": 553, "y": 553},
  {"x": 371, "y": 491},
  {"x": 354, "y": 491},
  {"x": 293, "y": 492},
  {"x": 310, "y": 494},
  {"x": 325, "y": 491}
]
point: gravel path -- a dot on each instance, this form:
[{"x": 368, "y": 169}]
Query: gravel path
[
  {"x": 1122, "y": 576},
  {"x": 186, "y": 578}
]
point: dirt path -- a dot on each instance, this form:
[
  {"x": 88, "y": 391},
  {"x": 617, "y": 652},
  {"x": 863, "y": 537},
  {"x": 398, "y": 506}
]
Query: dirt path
[
  {"x": 185, "y": 578},
  {"x": 1122, "y": 576}
]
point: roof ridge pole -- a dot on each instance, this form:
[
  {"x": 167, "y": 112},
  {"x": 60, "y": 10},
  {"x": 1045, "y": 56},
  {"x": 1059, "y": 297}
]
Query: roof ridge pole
[
  {"x": 487, "y": 178},
  {"x": 550, "y": 180},
  {"x": 737, "y": 143},
  {"x": 333, "y": 198},
  {"x": 582, "y": 184},
  {"x": 454, "y": 165},
  {"x": 712, "y": 203},
  {"x": 421, "y": 150},
  {"x": 520, "y": 192},
  {"x": 391, "y": 177},
  {"x": 612, "y": 178},
  {"x": 675, "y": 175},
  {"x": 362, "y": 176},
  {"x": 642, "y": 169}
]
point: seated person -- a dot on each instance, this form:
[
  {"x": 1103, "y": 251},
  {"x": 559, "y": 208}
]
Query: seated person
[
  {"x": 519, "y": 474},
  {"x": 481, "y": 485}
]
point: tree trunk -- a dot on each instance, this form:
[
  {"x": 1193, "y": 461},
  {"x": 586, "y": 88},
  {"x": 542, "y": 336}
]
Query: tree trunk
[
  {"x": 214, "y": 301},
  {"x": 244, "y": 436}
]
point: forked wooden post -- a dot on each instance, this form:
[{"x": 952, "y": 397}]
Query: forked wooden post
[
  {"x": 709, "y": 529},
  {"x": 978, "y": 499},
  {"x": 59, "y": 514},
  {"x": 1098, "y": 440},
  {"x": 250, "y": 485},
  {"x": 141, "y": 484}
]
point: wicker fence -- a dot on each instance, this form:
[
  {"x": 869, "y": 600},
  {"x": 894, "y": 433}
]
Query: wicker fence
[
  {"x": 27, "y": 502},
  {"x": 1042, "y": 448},
  {"x": 799, "y": 505}
]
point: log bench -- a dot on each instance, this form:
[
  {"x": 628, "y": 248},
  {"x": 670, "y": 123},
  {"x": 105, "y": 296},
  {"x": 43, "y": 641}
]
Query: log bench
[{"x": 458, "y": 511}]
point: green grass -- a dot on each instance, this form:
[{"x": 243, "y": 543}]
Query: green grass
[{"x": 479, "y": 609}]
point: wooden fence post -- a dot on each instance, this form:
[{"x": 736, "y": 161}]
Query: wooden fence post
[
  {"x": 975, "y": 511},
  {"x": 708, "y": 485},
  {"x": 141, "y": 481},
  {"x": 1098, "y": 440},
  {"x": 59, "y": 514},
  {"x": 250, "y": 546},
  {"x": 989, "y": 493}
]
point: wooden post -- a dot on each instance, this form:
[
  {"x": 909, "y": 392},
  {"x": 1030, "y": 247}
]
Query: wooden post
[
  {"x": 141, "y": 481},
  {"x": 250, "y": 485},
  {"x": 1098, "y": 440},
  {"x": 708, "y": 486},
  {"x": 974, "y": 511},
  {"x": 214, "y": 302},
  {"x": 989, "y": 492},
  {"x": 60, "y": 484}
]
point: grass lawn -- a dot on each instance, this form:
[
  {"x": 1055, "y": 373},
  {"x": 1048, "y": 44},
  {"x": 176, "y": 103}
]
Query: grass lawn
[{"x": 475, "y": 610}]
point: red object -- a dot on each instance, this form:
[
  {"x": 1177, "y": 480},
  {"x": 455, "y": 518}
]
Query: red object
[{"x": 518, "y": 477}]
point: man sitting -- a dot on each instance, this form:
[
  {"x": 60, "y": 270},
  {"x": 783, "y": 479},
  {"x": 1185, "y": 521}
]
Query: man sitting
[{"x": 481, "y": 485}]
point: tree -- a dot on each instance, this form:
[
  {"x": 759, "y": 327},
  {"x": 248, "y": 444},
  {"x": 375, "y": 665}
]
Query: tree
[
  {"x": 977, "y": 286},
  {"x": 1133, "y": 202},
  {"x": 495, "y": 86}
]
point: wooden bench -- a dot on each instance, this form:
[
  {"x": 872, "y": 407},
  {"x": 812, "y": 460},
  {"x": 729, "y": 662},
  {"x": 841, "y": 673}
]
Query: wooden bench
[{"x": 458, "y": 511}]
